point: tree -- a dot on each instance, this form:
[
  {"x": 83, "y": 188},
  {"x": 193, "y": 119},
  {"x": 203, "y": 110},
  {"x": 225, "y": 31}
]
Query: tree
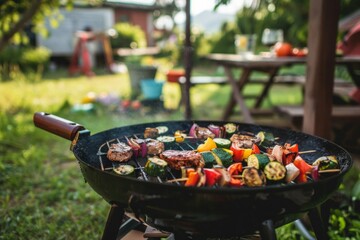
[{"x": 16, "y": 15}]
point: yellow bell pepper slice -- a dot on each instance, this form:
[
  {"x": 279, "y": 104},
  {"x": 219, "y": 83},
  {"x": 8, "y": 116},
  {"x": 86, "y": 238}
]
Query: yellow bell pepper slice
[{"x": 208, "y": 145}]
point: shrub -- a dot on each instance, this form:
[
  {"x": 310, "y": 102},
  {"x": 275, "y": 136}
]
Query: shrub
[
  {"x": 128, "y": 36},
  {"x": 15, "y": 60}
]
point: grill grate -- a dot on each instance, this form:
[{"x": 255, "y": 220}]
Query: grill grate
[{"x": 139, "y": 162}]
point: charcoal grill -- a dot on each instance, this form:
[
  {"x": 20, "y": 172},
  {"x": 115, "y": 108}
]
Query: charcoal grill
[{"x": 190, "y": 212}]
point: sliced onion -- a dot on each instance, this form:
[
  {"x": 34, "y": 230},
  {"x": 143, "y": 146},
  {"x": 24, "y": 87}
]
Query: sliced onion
[
  {"x": 193, "y": 130},
  {"x": 215, "y": 130},
  {"x": 315, "y": 173},
  {"x": 143, "y": 149},
  {"x": 134, "y": 146}
]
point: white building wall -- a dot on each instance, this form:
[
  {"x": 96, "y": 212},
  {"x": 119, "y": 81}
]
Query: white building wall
[{"x": 62, "y": 39}]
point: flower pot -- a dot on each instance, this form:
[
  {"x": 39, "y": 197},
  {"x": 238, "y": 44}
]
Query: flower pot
[
  {"x": 151, "y": 89},
  {"x": 174, "y": 75},
  {"x": 136, "y": 74}
]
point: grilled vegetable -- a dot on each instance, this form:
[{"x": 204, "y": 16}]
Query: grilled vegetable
[
  {"x": 222, "y": 143},
  {"x": 291, "y": 172},
  {"x": 218, "y": 131},
  {"x": 258, "y": 161},
  {"x": 234, "y": 182},
  {"x": 253, "y": 177},
  {"x": 208, "y": 145},
  {"x": 212, "y": 176},
  {"x": 222, "y": 156},
  {"x": 303, "y": 166},
  {"x": 255, "y": 149},
  {"x": 125, "y": 170},
  {"x": 235, "y": 169},
  {"x": 288, "y": 157},
  {"x": 209, "y": 159},
  {"x": 275, "y": 171},
  {"x": 151, "y": 132},
  {"x": 326, "y": 162},
  {"x": 240, "y": 153},
  {"x": 166, "y": 139},
  {"x": 162, "y": 129},
  {"x": 179, "y": 136},
  {"x": 193, "y": 179},
  {"x": 292, "y": 148},
  {"x": 266, "y": 138},
  {"x": 155, "y": 167},
  {"x": 230, "y": 129},
  {"x": 277, "y": 152},
  {"x": 225, "y": 176},
  {"x": 202, "y": 178}
]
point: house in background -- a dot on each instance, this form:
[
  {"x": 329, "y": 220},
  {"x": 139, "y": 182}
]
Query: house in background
[{"x": 61, "y": 40}]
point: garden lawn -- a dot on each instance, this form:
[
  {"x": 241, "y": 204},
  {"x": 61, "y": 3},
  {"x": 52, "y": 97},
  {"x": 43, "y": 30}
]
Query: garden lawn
[{"x": 43, "y": 194}]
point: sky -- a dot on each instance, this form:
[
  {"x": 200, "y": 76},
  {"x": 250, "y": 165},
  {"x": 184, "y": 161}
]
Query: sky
[{"x": 197, "y": 6}]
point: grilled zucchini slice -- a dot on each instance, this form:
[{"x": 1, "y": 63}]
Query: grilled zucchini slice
[
  {"x": 253, "y": 177},
  {"x": 209, "y": 159},
  {"x": 222, "y": 143},
  {"x": 124, "y": 170},
  {"x": 222, "y": 156},
  {"x": 275, "y": 171},
  {"x": 155, "y": 167},
  {"x": 258, "y": 161}
]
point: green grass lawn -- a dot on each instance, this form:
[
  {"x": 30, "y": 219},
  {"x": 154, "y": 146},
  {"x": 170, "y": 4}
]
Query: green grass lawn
[{"x": 43, "y": 194}]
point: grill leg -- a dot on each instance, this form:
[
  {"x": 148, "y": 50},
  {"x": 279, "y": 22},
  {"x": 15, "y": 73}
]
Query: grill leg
[
  {"x": 267, "y": 230},
  {"x": 317, "y": 224},
  {"x": 113, "y": 223}
]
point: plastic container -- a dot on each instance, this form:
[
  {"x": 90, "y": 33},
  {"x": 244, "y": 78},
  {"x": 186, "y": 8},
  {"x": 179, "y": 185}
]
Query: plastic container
[
  {"x": 151, "y": 89},
  {"x": 174, "y": 75}
]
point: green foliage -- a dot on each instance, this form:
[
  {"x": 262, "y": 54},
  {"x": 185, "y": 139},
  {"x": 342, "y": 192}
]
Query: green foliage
[
  {"x": 16, "y": 15},
  {"x": 128, "y": 36},
  {"x": 344, "y": 224},
  {"x": 223, "y": 42},
  {"x": 15, "y": 61}
]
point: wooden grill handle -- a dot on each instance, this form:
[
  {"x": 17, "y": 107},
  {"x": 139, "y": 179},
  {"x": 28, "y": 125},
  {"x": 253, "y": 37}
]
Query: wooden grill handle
[{"x": 57, "y": 125}]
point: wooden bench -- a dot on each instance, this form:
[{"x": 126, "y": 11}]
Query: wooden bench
[
  {"x": 340, "y": 114},
  {"x": 202, "y": 80}
]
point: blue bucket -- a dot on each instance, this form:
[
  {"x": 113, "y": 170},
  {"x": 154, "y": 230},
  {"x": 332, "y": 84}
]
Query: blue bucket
[{"x": 151, "y": 88}]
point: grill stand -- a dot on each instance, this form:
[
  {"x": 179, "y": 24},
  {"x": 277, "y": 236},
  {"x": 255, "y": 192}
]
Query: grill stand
[
  {"x": 113, "y": 222},
  {"x": 114, "y": 229}
]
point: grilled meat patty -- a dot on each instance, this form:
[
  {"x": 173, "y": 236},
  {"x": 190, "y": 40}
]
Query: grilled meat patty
[
  {"x": 178, "y": 158},
  {"x": 154, "y": 147},
  {"x": 119, "y": 152},
  {"x": 244, "y": 141}
]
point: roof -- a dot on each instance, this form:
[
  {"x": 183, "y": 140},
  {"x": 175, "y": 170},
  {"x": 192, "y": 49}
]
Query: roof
[{"x": 134, "y": 4}]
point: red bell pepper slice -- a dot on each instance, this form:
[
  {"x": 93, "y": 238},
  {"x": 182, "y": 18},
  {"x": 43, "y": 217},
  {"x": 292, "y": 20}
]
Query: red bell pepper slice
[
  {"x": 303, "y": 166},
  {"x": 288, "y": 157},
  {"x": 301, "y": 178},
  {"x": 234, "y": 182},
  {"x": 238, "y": 152},
  {"x": 293, "y": 148},
  {"x": 193, "y": 179},
  {"x": 212, "y": 176},
  {"x": 255, "y": 149},
  {"x": 235, "y": 169}
]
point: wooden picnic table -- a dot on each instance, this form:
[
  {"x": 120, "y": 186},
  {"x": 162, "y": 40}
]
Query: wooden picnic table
[{"x": 256, "y": 63}]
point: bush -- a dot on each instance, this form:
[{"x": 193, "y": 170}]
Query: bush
[
  {"x": 15, "y": 60},
  {"x": 128, "y": 36}
]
